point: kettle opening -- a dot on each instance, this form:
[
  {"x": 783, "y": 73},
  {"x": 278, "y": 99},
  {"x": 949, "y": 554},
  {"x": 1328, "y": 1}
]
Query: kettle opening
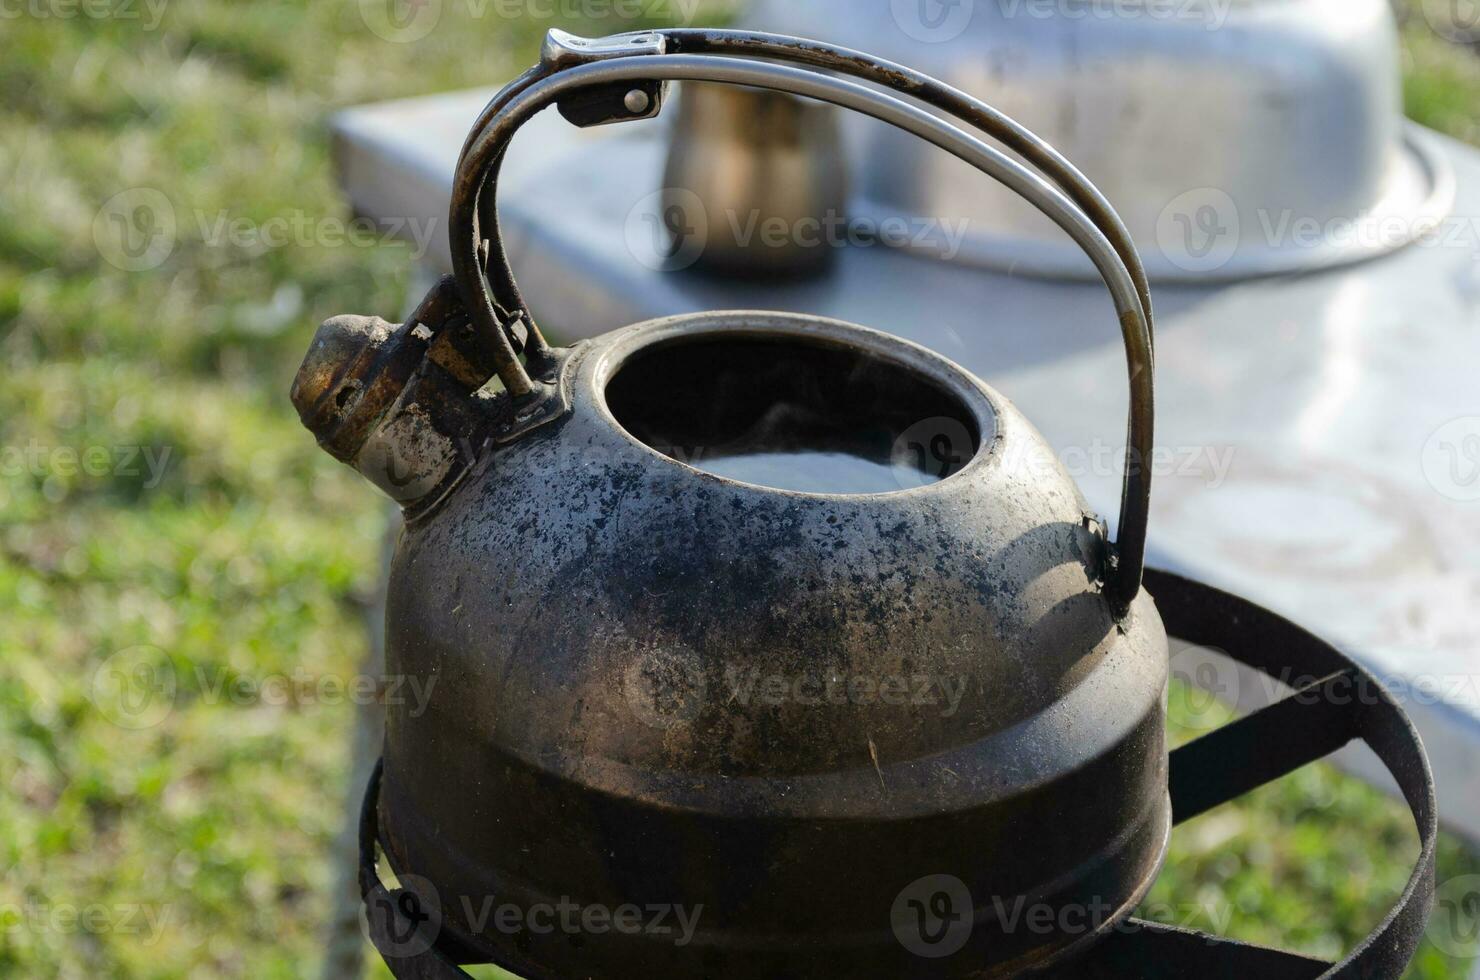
[{"x": 793, "y": 413}]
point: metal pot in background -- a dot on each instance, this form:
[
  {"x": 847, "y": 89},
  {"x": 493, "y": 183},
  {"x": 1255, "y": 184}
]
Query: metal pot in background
[
  {"x": 754, "y": 182},
  {"x": 1228, "y": 133}
]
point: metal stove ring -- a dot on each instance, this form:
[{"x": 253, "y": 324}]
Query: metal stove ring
[{"x": 1314, "y": 721}]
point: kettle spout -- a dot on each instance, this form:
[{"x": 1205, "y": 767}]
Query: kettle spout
[
  {"x": 332, "y": 379},
  {"x": 376, "y": 401}
]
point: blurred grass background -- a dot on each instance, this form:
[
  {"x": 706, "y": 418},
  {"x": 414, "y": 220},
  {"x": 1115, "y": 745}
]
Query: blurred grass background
[{"x": 208, "y": 533}]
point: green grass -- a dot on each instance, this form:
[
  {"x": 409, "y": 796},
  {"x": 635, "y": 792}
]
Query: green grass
[{"x": 206, "y": 537}]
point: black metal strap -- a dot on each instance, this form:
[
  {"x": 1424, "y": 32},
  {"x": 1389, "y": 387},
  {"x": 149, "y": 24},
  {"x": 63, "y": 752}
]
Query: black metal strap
[
  {"x": 1341, "y": 702},
  {"x": 404, "y": 933},
  {"x": 411, "y": 938},
  {"x": 1244, "y": 755}
]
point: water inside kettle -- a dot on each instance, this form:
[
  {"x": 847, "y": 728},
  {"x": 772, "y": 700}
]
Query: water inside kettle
[
  {"x": 809, "y": 471},
  {"x": 791, "y": 415}
]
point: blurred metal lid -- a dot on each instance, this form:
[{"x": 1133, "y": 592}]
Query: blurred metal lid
[{"x": 1236, "y": 137}]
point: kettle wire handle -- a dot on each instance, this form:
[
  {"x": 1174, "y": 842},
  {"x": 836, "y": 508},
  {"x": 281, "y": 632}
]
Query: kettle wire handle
[{"x": 572, "y": 67}]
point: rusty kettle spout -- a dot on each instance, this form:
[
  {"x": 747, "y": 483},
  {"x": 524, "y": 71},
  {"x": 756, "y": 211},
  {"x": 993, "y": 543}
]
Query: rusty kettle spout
[
  {"x": 392, "y": 401},
  {"x": 406, "y": 406}
]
